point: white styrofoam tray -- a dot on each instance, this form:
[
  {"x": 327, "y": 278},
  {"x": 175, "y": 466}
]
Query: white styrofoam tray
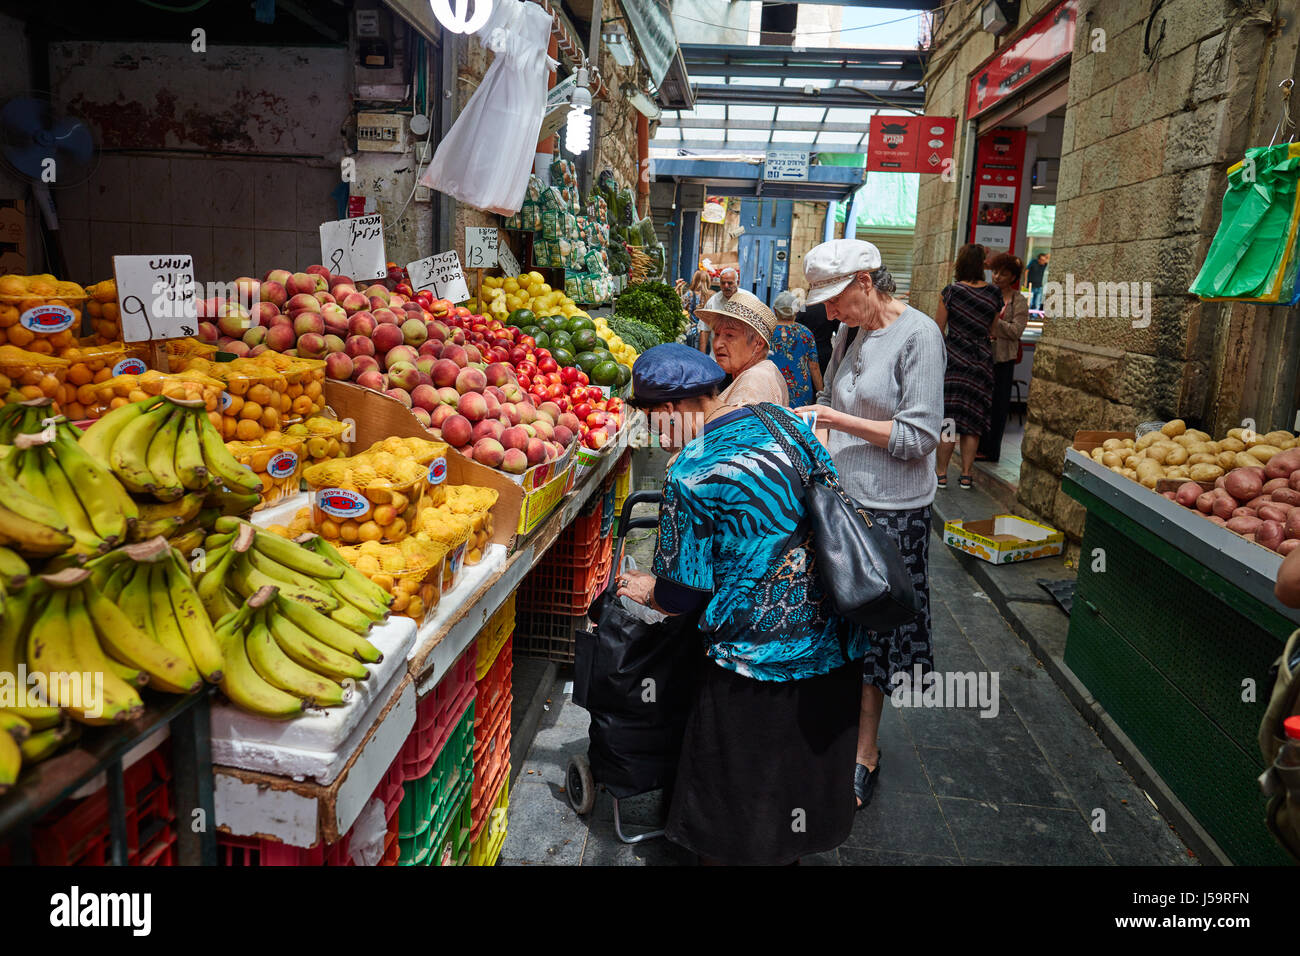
[
  {"x": 281, "y": 512},
  {"x": 455, "y": 602},
  {"x": 318, "y": 744}
]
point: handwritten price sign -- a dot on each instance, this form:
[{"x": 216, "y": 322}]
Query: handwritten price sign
[
  {"x": 441, "y": 274},
  {"x": 156, "y": 297},
  {"x": 480, "y": 247},
  {"x": 354, "y": 247},
  {"x": 506, "y": 259}
]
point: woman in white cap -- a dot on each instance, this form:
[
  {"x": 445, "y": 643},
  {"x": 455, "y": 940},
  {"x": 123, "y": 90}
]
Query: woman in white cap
[
  {"x": 742, "y": 334},
  {"x": 883, "y": 405}
]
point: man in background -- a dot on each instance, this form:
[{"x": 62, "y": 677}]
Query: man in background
[
  {"x": 1035, "y": 273},
  {"x": 729, "y": 279}
]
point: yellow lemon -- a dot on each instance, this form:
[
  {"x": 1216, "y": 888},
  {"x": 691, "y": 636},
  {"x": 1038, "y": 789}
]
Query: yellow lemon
[
  {"x": 535, "y": 277},
  {"x": 511, "y": 285}
]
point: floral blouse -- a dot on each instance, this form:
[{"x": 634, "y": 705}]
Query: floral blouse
[{"x": 793, "y": 351}]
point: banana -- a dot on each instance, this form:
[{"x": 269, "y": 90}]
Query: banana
[
  {"x": 11, "y": 761},
  {"x": 126, "y": 642},
  {"x": 130, "y": 451},
  {"x": 214, "y": 541},
  {"x": 106, "y": 502},
  {"x": 79, "y": 523},
  {"x": 230, "y": 503},
  {"x": 120, "y": 699},
  {"x": 133, "y": 676},
  {"x": 327, "y": 631},
  {"x": 52, "y": 656},
  {"x": 161, "y": 457},
  {"x": 293, "y": 556},
  {"x": 212, "y": 587},
  {"x": 13, "y": 652},
  {"x": 13, "y": 569},
  {"x": 134, "y": 601},
  {"x": 189, "y": 455},
  {"x": 351, "y": 618},
  {"x": 186, "y": 508},
  {"x": 312, "y": 653},
  {"x": 115, "y": 581},
  {"x": 247, "y": 580},
  {"x": 195, "y": 625},
  {"x": 164, "y": 626},
  {"x": 12, "y": 725},
  {"x": 272, "y": 568},
  {"x": 240, "y": 681},
  {"x": 100, "y": 437},
  {"x": 372, "y": 611},
  {"x": 186, "y": 541},
  {"x": 28, "y": 535},
  {"x": 277, "y": 668},
  {"x": 350, "y": 574},
  {"x": 43, "y": 744},
  {"x": 221, "y": 464}
]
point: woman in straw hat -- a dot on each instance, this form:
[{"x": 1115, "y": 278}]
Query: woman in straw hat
[{"x": 742, "y": 334}]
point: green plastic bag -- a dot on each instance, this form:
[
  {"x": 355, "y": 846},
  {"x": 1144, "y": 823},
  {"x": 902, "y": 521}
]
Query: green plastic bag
[{"x": 1253, "y": 253}]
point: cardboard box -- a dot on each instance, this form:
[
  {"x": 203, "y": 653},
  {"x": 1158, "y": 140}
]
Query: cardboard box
[
  {"x": 1003, "y": 539},
  {"x": 1085, "y": 441},
  {"x": 376, "y": 416}
]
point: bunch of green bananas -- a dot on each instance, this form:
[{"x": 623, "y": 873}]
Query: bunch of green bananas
[
  {"x": 291, "y": 619},
  {"x": 21, "y": 743}
]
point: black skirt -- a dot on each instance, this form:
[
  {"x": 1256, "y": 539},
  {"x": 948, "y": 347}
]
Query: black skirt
[{"x": 766, "y": 772}]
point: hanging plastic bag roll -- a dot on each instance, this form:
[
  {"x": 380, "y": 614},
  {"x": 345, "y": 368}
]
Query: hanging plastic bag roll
[{"x": 487, "y": 157}]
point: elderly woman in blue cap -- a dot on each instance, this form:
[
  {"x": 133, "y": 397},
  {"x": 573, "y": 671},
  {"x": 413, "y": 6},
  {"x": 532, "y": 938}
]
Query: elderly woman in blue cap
[{"x": 765, "y": 765}]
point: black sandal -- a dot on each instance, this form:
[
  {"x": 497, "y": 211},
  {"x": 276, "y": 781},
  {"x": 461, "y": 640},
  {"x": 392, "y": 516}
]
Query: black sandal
[
  {"x": 942, "y": 480},
  {"x": 965, "y": 481},
  {"x": 864, "y": 781}
]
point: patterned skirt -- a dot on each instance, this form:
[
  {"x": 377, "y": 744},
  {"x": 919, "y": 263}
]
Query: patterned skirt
[
  {"x": 968, "y": 389},
  {"x": 905, "y": 647}
]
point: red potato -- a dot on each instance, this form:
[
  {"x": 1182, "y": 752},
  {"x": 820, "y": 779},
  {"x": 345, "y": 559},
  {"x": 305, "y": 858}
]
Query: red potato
[
  {"x": 1245, "y": 511},
  {"x": 1273, "y": 512},
  {"x": 1294, "y": 481},
  {"x": 1216, "y": 519},
  {"x": 1224, "y": 506},
  {"x": 1244, "y": 524},
  {"x": 1283, "y": 464},
  {"x": 1273, "y": 484},
  {"x": 1293, "y": 523},
  {"x": 1288, "y": 545},
  {"x": 1259, "y": 500},
  {"x": 1285, "y": 496},
  {"x": 1270, "y": 535},
  {"x": 1187, "y": 494},
  {"x": 1244, "y": 484},
  {"x": 1205, "y": 502},
  {"x": 1170, "y": 495},
  {"x": 1218, "y": 482}
]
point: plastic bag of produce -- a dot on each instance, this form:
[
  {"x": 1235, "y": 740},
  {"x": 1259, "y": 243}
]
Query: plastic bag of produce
[{"x": 491, "y": 172}]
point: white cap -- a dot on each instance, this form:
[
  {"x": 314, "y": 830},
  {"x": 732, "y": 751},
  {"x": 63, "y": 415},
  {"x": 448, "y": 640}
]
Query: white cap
[
  {"x": 785, "y": 304},
  {"x": 831, "y": 266}
]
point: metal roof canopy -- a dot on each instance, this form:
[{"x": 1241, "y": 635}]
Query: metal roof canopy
[
  {"x": 831, "y": 63},
  {"x": 719, "y": 178}
]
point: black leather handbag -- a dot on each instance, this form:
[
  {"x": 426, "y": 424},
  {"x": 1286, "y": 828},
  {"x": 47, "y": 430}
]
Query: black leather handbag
[{"x": 858, "y": 563}]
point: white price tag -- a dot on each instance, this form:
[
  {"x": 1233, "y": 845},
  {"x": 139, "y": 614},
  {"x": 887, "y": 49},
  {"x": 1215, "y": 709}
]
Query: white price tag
[
  {"x": 506, "y": 259},
  {"x": 354, "y": 247},
  {"x": 480, "y": 247},
  {"x": 441, "y": 274},
  {"x": 156, "y": 297}
]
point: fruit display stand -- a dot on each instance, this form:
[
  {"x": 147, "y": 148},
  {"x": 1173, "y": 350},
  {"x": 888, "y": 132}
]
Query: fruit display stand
[{"x": 1172, "y": 617}]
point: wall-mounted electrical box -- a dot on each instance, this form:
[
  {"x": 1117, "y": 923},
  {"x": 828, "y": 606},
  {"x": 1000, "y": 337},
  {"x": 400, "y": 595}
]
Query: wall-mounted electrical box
[
  {"x": 374, "y": 39},
  {"x": 382, "y": 132}
]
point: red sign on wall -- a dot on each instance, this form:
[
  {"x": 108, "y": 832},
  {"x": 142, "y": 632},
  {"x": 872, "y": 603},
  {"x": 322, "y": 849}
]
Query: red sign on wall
[
  {"x": 910, "y": 144},
  {"x": 1041, "y": 47},
  {"x": 998, "y": 188}
]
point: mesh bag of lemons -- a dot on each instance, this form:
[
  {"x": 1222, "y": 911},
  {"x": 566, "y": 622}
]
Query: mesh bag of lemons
[{"x": 500, "y": 296}]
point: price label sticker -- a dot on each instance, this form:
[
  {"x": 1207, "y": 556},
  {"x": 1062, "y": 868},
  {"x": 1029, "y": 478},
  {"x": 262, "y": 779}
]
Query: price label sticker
[
  {"x": 506, "y": 259},
  {"x": 354, "y": 247},
  {"x": 441, "y": 274},
  {"x": 132, "y": 366},
  {"x": 481, "y": 247},
  {"x": 156, "y": 297}
]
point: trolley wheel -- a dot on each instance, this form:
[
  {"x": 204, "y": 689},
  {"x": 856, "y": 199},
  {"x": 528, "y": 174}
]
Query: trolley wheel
[{"x": 579, "y": 786}]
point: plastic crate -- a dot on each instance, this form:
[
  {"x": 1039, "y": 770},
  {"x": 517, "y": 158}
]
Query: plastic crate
[
  {"x": 254, "y": 851},
  {"x": 540, "y": 634},
  {"x": 486, "y": 847},
  {"x": 566, "y": 590},
  {"x": 576, "y": 544},
  {"x": 492, "y": 693},
  {"x": 435, "y": 716},
  {"x": 491, "y": 769},
  {"x": 609, "y": 500},
  {"x": 452, "y": 845},
  {"x": 434, "y": 798},
  {"x": 493, "y": 637}
]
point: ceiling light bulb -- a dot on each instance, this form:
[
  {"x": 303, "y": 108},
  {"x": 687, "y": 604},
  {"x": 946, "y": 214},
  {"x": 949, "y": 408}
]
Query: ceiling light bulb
[{"x": 577, "y": 127}]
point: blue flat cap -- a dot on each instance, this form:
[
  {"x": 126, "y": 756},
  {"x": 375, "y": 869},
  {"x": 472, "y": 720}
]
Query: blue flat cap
[{"x": 672, "y": 372}]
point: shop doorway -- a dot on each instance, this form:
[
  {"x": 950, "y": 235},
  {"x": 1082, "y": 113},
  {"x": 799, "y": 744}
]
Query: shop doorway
[{"x": 765, "y": 246}]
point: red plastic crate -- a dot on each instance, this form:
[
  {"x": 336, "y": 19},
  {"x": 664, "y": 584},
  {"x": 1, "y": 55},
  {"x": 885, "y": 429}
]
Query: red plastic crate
[
  {"x": 435, "y": 718},
  {"x": 493, "y": 691},
  {"x": 252, "y": 851},
  {"x": 491, "y": 757},
  {"x": 579, "y": 543},
  {"x": 556, "y": 589},
  {"x": 391, "y": 848}
]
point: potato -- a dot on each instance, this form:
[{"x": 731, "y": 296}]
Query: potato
[
  {"x": 1244, "y": 459},
  {"x": 1147, "y": 440},
  {"x": 1132, "y": 461},
  {"x": 1112, "y": 458},
  {"x": 1169, "y": 494},
  {"x": 1282, "y": 464},
  {"x": 1270, "y": 535},
  {"x": 1217, "y": 520},
  {"x": 1112, "y": 444},
  {"x": 1205, "y": 472},
  {"x": 1274, "y": 512},
  {"x": 1202, "y": 458},
  {"x": 1288, "y": 545},
  {"x": 1159, "y": 451},
  {"x": 1258, "y": 500},
  {"x": 1096, "y": 454},
  {"x": 1263, "y": 452},
  {"x": 1117, "y": 469},
  {"x": 1286, "y": 496},
  {"x": 1177, "y": 471},
  {"x": 1188, "y": 492},
  {"x": 1185, "y": 439},
  {"x": 1278, "y": 437},
  {"x": 1200, "y": 435},
  {"x": 1243, "y": 484},
  {"x": 1294, "y": 481},
  {"x": 1238, "y": 433},
  {"x": 1245, "y": 525},
  {"x": 1292, "y": 526},
  {"x": 1224, "y": 505},
  {"x": 1204, "y": 501},
  {"x": 1228, "y": 459},
  {"x": 1273, "y": 484},
  {"x": 1176, "y": 456},
  {"x": 1150, "y": 472},
  {"x": 1198, "y": 447},
  {"x": 1175, "y": 427},
  {"x": 1232, "y": 443},
  {"x": 1244, "y": 512},
  {"x": 1129, "y": 443},
  {"x": 1130, "y": 474}
]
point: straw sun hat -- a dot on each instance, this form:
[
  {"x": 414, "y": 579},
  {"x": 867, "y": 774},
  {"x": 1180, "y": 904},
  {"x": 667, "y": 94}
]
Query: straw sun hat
[{"x": 743, "y": 307}]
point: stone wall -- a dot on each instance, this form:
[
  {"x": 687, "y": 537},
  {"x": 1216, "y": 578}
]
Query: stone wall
[{"x": 1142, "y": 172}]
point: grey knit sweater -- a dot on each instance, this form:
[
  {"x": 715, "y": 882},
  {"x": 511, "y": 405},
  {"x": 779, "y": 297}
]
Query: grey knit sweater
[{"x": 895, "y": 373}]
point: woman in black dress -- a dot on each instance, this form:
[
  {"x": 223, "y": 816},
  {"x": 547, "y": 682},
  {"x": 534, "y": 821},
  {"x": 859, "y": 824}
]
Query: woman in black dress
[{"x": 966, "y": 313}]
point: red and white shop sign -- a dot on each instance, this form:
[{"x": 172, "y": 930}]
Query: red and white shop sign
[
  {"x": 998, "y": 188},
  {"x": 1040, "y": 48},
  {"x": 910, "y": 144}
]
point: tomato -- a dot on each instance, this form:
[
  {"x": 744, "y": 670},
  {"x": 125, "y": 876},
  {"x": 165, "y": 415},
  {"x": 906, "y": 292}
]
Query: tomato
[{"x": 582, "y": 410}]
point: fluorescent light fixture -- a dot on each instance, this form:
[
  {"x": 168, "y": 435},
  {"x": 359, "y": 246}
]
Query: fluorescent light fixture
[
  {"x": 460, "y": 20},
  {"x": 618, "y": 44},
  {"x": 577, "y": 128},
  {"x": 641, "y": 102}
]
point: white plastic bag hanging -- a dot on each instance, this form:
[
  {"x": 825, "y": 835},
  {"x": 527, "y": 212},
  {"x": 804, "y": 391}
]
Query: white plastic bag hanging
[{"x": 487, "y": 156}]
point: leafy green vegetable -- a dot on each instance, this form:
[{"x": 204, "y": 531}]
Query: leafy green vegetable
[
  {"x": 645, "y": 303},
  {"x": 636, "y": 334}
]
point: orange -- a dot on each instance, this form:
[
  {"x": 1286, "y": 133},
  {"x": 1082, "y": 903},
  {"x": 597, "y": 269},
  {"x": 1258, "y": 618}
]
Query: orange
[
  {"x": 80, "y": 374},
  {"x": 87, "y": 394},
  {"x": 302, "y": 405},
  {"x": 41, "y": 346},
  {"x": 270, "y": 418},
  {"x": 20, "y": 336},
  {"x": 229, "y": 426},
  {"x": 136, "y": 395},
  {"x": 247, "y": 430},
  {"x": 251, "y": 410},
  {"x": 12, "y": 285},
  {"x": 215, "y": 418}
]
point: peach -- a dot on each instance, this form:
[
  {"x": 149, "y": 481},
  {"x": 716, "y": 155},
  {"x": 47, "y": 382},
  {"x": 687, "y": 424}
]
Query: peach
[
  {"x": 353, "y": 302},
  {"x": 494, "y": 407},
  {"x": 208, "y": 332},
  {"x": 513, "y": 392},
  {"x": 543, "y": 428},
  {"x": 386, "y": 316},
  {"x": 377, "y": 290},
  {"x": 473, "y": 355},
  {"x": 527, "y": 414},
  {"x": 257, "y": 350},
  {"x": 324, "y": 298},
  {"x": 401, "y": 394},
  {"x": 334, "y": 343},
  {"x": 510, "y": 411},
  {"x": 356, "y": 345},
  {"x": 386, "y": 338},
  {"x": 431, "y": 328},
  {"x": 431, "y": 348},
  {"x": 338, "y": 366},
  {"x": 445, "y": 373},
  {"x": 403, "y": 375},
  {"x": 233, "y": 324},
  {"x": 488, "y": 451},
  {"x": 552, "y": 410},
  {"x": 305, "y": 323},
  {"x": 456, "y": 430},
  {"x": 400, "y": 353},
  {"x": 237, "y": 348},
  {"x": 438, "y": 330},
  {"x": 515, "y": 437},
  {"x": 279, "y": 276},
  {"x": 563, "y": 435},
  {"x": 473, "y": 406},
  {"x": 373, "y": 379},
  {"x": 335, "y": 319},
  {"x": 302, "y": 302},
  {"x": 421, "y": 416},
  {"x": 264, "y": 312},
  {"x": 275, "y": 293},
  {"x": 364, "y": 363},
  {"x": 514, "y": 461},
  {"x": 536, "y": 451},
  {"x": 254, "y": 336},
  {"x": 425, "y": 396},
  {"x": 455, "y": 354},
  {"x": 413, "y": 332},
  {"x": 248, "y": 290},
  {"x": 361, "y": 323},
  {"x": 317, "y": 269},
  {"x": 300, "y": 283},
  {"x": 312, "y": 345},
  {"x": 440, "y": 414},
  {"x": 281, "y": 337},
  {"x": 487, "y": 428},
  {"x": 470, "y": 380},
  {"x": 449, "y": 396}
]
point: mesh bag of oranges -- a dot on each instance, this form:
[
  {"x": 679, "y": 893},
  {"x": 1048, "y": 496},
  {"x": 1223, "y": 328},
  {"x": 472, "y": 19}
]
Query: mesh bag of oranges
[
  {"x": 411, "y": 571},
  {"x": 179, "y": 351},
  {"x": 40, "y": 313},
  {"x": 430, "y": 455},
  {"x": 304, "y": 383},
  {"x": 374, "y": 496},
  {"x": 30, "y": 374},
  {"x": 254, "y": 402},
  {"x": 90, "y": 365},
  {"x": 101, "y": 307},
  {"x": 323, "y": 438},
  {"x": 124, "y": 389},
  {"x": 278, "y": 461},
  {"x": 441, "y": 526}
]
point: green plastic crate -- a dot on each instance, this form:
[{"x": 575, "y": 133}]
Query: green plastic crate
[{"x": 430, "y": 801}]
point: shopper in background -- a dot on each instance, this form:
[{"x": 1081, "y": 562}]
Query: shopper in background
[
  {"x": 1037, "y": 272},
  {"x": 742, "y": 335},
  {"x": 794, "y": 352},
  {"x": 813, "y": 317},
  {"x": 1007, "y": 329},
  {"x": 772, "y": 726},
  {"x": 696, "y": 337},
  {"x": 883, "y": 405},
  {"x": 729, "y": 280},
  {"x": 967, "y": 310}
]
